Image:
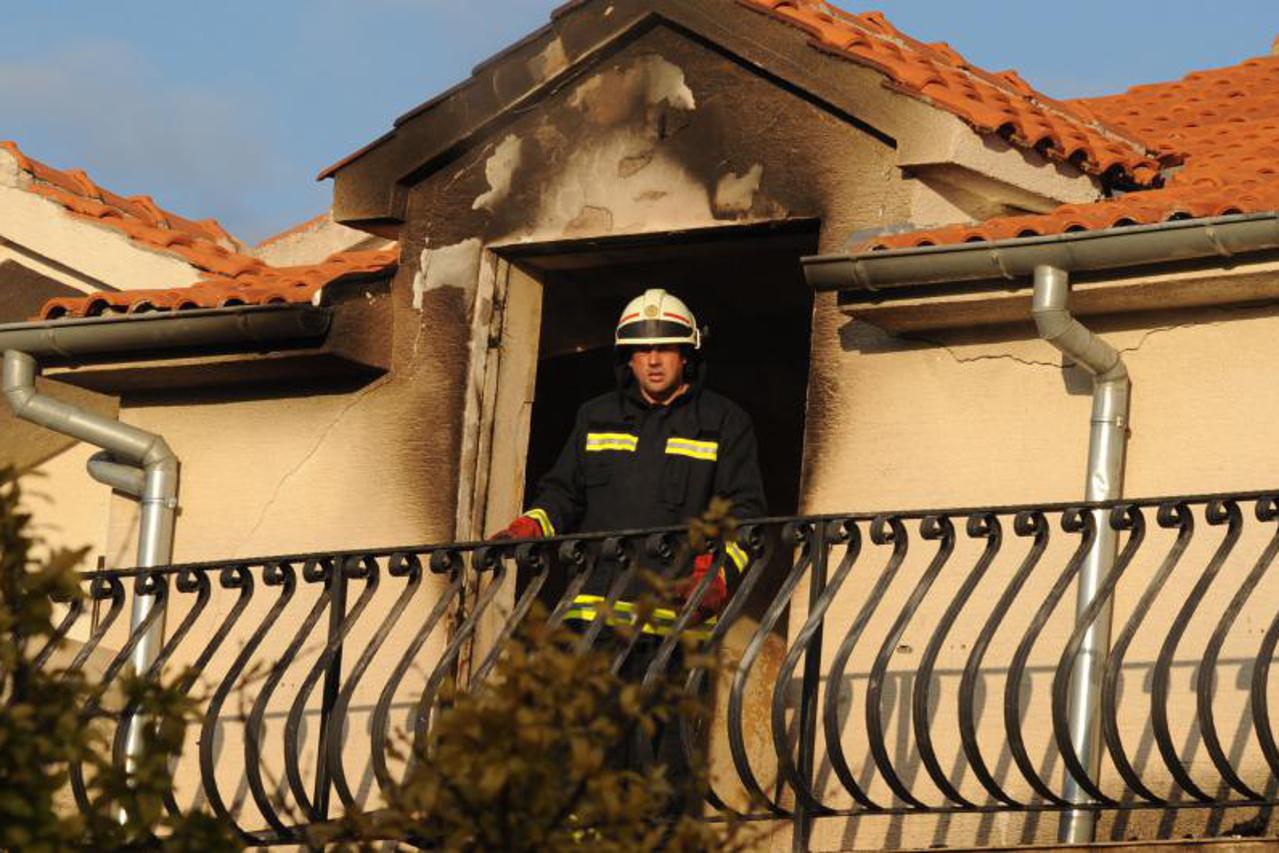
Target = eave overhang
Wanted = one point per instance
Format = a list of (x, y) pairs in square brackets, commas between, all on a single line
[(989, 282)]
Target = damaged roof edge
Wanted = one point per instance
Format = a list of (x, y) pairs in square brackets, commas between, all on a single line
[(887, 274), (141, 337)]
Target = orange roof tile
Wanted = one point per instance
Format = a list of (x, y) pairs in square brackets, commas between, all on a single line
[(204, 244), (1000, 103), (1225, 123), (264, 285)]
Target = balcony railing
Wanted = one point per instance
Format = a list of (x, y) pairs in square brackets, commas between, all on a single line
[(877, 664)]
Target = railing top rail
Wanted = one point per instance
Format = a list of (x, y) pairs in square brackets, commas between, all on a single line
[(868, 516)]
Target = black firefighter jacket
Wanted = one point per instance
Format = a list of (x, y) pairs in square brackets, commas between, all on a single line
[(629, 464)]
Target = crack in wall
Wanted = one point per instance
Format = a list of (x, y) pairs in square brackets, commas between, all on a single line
[(1057, 365), (310, 454)]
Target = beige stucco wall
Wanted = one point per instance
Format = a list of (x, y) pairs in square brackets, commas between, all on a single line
[(313, 241)]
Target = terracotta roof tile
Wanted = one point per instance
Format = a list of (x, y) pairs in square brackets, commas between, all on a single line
[(1224, 124), (1001, 103), (204, 244), (261, 285)]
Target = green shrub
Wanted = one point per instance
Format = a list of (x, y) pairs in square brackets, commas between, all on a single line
[(47, 726)]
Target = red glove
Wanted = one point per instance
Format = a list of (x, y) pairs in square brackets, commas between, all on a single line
[(716, 594), (521, 528)]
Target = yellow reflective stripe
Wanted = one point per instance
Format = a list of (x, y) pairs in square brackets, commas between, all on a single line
[(707, 450), (584, 609), (597, 441), (737, 555), (543, 520)]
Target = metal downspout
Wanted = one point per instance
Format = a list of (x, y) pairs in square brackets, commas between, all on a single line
[(133, 461), (1106, 448)]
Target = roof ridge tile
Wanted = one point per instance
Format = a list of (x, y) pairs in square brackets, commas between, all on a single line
[(204, 244), (257, 285), (990, 103)]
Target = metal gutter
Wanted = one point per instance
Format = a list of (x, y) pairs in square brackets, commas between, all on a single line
[(893, 272), (143, 336)]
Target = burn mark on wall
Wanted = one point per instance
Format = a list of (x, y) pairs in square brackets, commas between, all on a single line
[(613, 97), (735, 194)]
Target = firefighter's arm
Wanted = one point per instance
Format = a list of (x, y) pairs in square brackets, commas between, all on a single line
[(560, 500)]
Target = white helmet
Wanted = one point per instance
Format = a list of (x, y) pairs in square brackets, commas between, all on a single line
[(657, 317)]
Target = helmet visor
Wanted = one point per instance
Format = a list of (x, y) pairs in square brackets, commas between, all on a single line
[(650, 329)]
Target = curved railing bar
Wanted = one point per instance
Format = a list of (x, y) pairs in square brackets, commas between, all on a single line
[(1122, 518), (759, 548), (573, 559), (442, 562), (889, 531), (100, 589), (1168, 516), (1267, 510), (1026, 523), (1260, 703), (318, 570), (75, 608), (979, 526), (837, 533), (941, 530), (1204, 683), (616, 550), (1072, 521), (793, 535), (1214, 513), (530, 557), (187, 583), (683, 619), (367, 570), (193, 673), (399, 566), (150, 586), (672, 561), (484, 559), (232, 577)]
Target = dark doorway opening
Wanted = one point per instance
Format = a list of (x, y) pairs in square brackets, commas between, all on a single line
[(745, 283)]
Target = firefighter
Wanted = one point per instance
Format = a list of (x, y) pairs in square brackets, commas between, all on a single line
[(652, 453)]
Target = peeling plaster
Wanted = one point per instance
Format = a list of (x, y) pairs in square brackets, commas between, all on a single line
[(735, 194), (610, 98), (664, 191), (549, 62), (500, 170), (457, 266)]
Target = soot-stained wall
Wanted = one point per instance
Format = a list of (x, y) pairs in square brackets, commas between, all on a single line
[(666, 134)]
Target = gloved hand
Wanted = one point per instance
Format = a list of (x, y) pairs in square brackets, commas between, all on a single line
[(521, 528), (716, 594)]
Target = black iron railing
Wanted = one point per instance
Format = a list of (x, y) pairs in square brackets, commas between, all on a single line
[(878, 664)]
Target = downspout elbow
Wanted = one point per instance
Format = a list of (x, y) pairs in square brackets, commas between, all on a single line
[(19, 381), (1056, 325)]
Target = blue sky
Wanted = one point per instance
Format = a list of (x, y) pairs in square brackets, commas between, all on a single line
[(230, 109)]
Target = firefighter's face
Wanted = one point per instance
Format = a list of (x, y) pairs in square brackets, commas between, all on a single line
[(659, 370)]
